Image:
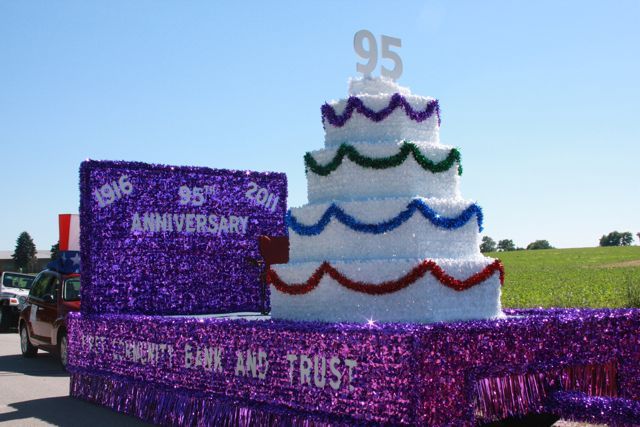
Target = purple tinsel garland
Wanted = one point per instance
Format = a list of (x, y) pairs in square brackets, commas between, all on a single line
[(164, 406), (397, 101), (509, 395), (401, 374)]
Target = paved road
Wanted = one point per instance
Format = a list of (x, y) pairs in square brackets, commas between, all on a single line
[(35, 392)]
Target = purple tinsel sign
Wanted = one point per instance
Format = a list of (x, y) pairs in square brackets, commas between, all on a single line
[(175, 240)]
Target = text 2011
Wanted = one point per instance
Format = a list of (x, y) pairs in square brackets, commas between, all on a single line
[(262, 196)]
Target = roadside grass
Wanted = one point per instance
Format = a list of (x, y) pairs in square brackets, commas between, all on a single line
[(583, 277)]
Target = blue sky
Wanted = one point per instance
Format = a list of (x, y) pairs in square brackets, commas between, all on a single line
[(540, 97)]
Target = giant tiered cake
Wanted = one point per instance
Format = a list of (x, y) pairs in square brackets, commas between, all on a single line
[(386, 235)]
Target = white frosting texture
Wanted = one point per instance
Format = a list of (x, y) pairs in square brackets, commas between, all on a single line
[(350, 181), (426, 300), (376, 86), (415, 238), (376, 94), (395, 127)]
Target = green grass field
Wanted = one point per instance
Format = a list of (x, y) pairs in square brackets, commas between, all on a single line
[(585, 277)]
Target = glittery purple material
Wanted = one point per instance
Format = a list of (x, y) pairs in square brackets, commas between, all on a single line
[(512, 394), (397, 101), (163, 406), (601, 410), (400, 374), (171, 261)]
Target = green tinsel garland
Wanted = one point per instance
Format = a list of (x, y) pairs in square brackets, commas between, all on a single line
[(406, 148)]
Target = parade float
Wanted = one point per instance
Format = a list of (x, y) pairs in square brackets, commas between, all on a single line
[(386, 313)]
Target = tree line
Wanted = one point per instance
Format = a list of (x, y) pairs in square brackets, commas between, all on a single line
[(507, 245), (615, 238)]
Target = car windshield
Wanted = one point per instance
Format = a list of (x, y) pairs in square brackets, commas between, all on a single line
[(17, 280), (71, 290)]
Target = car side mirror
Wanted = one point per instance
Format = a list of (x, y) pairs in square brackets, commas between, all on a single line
[(49, 299)]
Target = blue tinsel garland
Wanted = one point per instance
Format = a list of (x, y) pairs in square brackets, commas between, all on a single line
[(383, 227)]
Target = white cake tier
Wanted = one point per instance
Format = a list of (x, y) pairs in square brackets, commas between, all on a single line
[(377, 97), (415, 237), (375, 86), (350, 181), (425, 300)]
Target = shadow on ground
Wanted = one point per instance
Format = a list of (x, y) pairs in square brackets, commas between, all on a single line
[(43, 365), (66, 411)]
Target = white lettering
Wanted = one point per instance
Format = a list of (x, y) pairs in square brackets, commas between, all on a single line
[(179, 220), (188, 356), (160, 222), (292, 358), (350, 364), (190, 226), (240, 369), (135, 223), (262, 196), (305, 369), (207, 358), (253, 187), (223, 225), (201, 223), (156, 222), (148, 221), (217, 359), (319, 381), (264, 363), (233, 224), (244, 220), (335, 384), (252, 364), (213, 224)]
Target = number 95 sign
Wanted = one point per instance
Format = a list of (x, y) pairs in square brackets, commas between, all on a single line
[(371, 54)]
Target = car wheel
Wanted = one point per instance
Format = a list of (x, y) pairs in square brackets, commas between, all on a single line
[(27, 349), (63, 349), (4, 319)]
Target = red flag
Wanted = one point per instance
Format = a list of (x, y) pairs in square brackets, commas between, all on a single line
[(69, 232)]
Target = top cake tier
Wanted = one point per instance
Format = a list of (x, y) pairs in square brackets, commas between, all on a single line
[(380, 111)]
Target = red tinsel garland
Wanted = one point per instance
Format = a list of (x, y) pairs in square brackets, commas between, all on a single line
[(386, 287)]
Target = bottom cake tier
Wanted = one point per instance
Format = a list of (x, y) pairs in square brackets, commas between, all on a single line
[(388, 290)]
